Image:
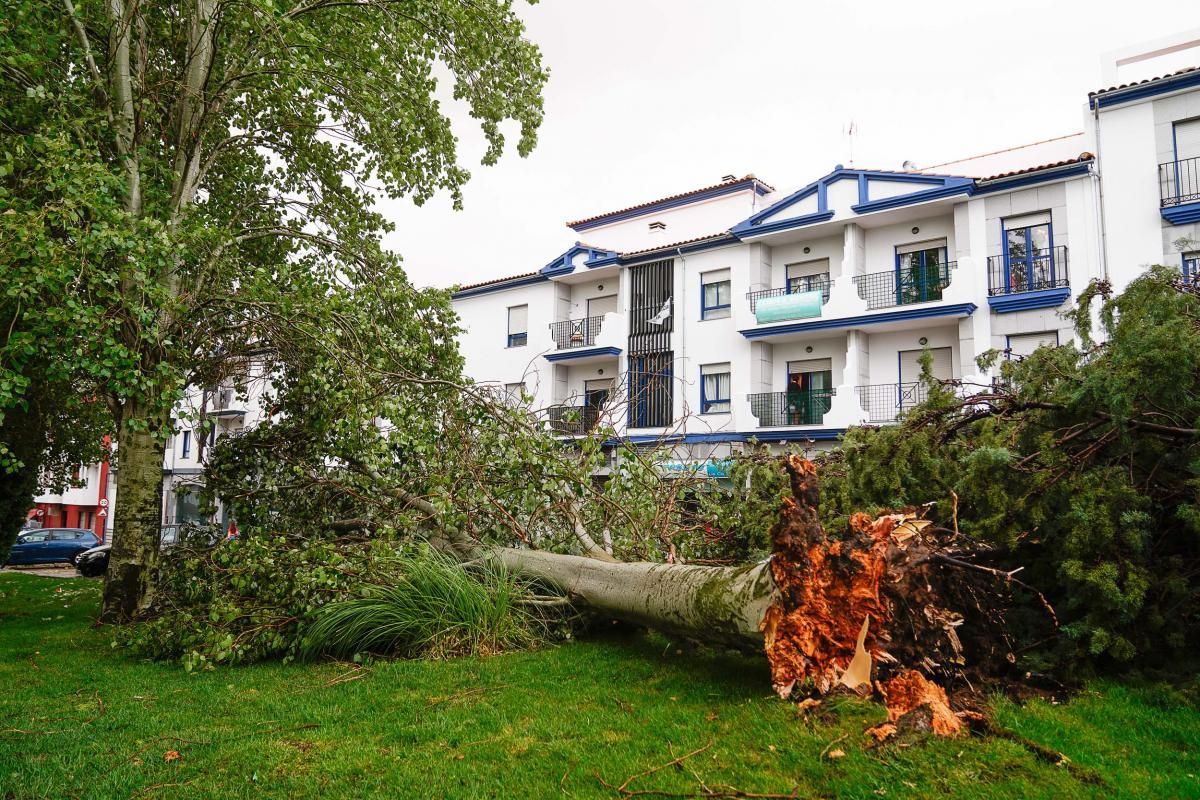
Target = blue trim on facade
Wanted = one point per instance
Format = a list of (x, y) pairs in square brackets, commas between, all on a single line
[(953, 186), (1190, 265), (945, 186), (767, 436), (1183, 214), (781, 225), (586, 352), (663, 205), (1028, 301), (955, 310), (562, 265), (499, 287), (1161, 86), (1007, 184)]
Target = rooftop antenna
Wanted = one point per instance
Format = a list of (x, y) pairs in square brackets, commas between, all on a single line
[(850, 130)]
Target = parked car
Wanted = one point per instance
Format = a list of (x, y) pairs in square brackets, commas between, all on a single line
[(94, 562), (45, 545)]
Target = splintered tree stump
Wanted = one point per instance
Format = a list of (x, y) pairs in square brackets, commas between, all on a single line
[(810, 603)]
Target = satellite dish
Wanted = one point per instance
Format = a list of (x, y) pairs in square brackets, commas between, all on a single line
[(909, 165)]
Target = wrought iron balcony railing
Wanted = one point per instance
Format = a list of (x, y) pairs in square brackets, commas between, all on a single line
[(573, 419), (575, 332), (807, 283), (1044, 270), (904, 286), (884, 402), (1179, 181), (778, 409)]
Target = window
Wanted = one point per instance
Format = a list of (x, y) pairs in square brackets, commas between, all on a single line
[(1191, 266), (1023, 344), (1029, 253), (715, 387), (809, 276), (514, 394), (518, 326), (185, 448), (714, 295)]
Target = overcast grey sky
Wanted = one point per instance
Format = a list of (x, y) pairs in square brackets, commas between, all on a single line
[(652, 97)]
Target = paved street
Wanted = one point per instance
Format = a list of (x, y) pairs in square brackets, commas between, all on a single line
[(46, 570)]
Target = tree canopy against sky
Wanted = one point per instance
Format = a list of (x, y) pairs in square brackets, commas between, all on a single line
[(188, 187)]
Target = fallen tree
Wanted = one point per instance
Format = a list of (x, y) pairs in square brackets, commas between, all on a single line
[(823, 610)]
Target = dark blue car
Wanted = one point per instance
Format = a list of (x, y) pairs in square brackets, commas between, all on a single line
[(43, 545)]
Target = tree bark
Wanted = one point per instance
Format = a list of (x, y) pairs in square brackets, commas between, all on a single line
[(129, 587), (724, 605)]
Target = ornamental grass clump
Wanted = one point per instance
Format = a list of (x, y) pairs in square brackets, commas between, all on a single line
[(433, 609)]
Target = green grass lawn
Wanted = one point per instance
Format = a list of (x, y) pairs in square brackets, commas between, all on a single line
[(79, 719)]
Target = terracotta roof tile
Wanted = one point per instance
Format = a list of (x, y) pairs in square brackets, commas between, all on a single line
[(668, 246), (495, 281), (1081, 158), (669, 198), (1174, 74)]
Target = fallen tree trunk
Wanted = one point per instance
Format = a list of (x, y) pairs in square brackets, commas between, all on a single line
[(722, 605), (883, 593)]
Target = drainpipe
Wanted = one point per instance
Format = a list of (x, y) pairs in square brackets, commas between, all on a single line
[(1098, 185), (681, 304)]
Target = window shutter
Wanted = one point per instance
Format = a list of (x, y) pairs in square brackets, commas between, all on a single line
[(1187, 139), (1024, 344)]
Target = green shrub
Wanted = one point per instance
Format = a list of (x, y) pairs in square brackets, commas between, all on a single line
[(256, 598), (434, 608)]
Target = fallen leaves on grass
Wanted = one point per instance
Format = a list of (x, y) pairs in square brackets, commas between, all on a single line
[(171, 755)]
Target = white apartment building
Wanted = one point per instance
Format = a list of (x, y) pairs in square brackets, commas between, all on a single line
[(735, 311), (205, 416)]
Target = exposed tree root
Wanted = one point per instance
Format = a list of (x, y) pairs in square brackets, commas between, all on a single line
[(889, 607)]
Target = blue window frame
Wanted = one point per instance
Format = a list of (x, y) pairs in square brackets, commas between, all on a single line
[(518, 326), (1191, 266), (1029, 258), (714, 299), (921, 274), (715, 386), (185, 449)]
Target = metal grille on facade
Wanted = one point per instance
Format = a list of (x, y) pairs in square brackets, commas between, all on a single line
[(651, 321)]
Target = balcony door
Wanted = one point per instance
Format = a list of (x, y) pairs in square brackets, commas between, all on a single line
[(599, 306), (1029, 253), (809, 391), (922, 271), (597, 393)]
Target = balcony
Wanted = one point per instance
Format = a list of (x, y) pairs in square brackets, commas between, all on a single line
[(903, 287), (782, 409), (1038, 280), (586, 340), (800, 299), (222, 402), (573, 333), (573, 419), (1179, 190), (884, 402)]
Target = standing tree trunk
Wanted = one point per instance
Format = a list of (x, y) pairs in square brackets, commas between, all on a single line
[(129, 587)]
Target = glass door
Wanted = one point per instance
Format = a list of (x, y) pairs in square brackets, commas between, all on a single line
[(809, 392), (921, 275), (1028, 261)]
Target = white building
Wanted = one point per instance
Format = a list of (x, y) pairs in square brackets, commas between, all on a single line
[(204, 417), (735, 312)]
